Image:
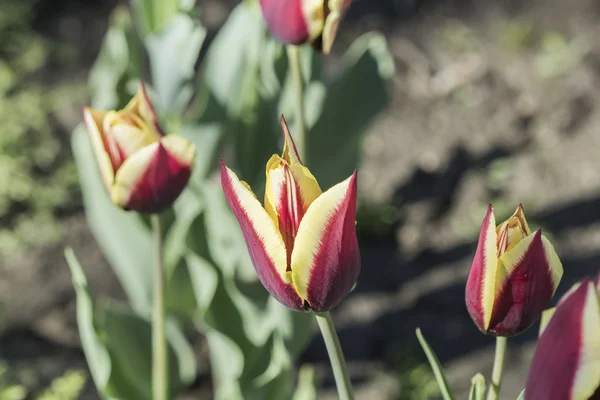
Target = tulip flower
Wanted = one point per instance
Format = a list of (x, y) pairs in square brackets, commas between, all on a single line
[(566, 362), (142, 168), (513, 276), (304, 21), (303, 242)]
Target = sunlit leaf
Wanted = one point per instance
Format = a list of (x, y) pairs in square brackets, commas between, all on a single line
[(436, 367), (173, 52)]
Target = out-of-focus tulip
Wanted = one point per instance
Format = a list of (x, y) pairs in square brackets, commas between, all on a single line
[(566, 363), (142, 169), (304, 21), (513, 276), (303, 242)]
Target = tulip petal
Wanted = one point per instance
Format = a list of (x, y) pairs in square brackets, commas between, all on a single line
[(482, 282), (566, 363), (290, 153), (289, 191), (334, 15), (141, 105), (587, 379), (293, 21), (330, 28), (93, 120), (152, 178), (280, 178), (265, 245), (528, 275), (326, 258), (127, 138)]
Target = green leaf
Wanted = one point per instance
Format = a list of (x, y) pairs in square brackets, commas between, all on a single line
[(226, 61), (96, 354), (478, 387), (153, 15), (118, 346), (436, 367), (206, 138), (129, 341), (223, 235), (334, 139), (187, 208), (173, 53), (204, 280), (522, 395), (122, 236)]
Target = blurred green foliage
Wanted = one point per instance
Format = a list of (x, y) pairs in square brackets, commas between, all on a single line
[(242, 88), (37, 179), (65, 387), (9, 390)]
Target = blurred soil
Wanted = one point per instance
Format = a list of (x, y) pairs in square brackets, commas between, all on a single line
[(494, 101)]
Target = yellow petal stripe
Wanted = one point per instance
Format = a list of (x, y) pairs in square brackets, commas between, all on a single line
[(274, 182), (545, 320), (556, 268), (93, 120), (490, 271)]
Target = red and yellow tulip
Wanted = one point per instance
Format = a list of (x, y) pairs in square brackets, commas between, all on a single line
[(566, 363), (513, 276), (304, 21), (142, 168), (302, 243)]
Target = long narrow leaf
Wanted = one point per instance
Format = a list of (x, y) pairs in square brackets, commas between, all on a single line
[(436, 367)]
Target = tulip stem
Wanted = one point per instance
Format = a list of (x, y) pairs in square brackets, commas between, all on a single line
[(494, 391), (336, 356), (296, 70), (160, 367)]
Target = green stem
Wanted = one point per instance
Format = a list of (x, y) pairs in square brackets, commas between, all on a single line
[(296, 69), (336, 356), (160, 368), (498, 368)]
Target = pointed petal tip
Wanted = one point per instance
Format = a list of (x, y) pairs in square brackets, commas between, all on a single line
[(225, 170), (290, 152)]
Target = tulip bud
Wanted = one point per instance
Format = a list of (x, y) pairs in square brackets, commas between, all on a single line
[(513, 276), (303, 242), (566, 362), (142, 169), (304, 21)]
